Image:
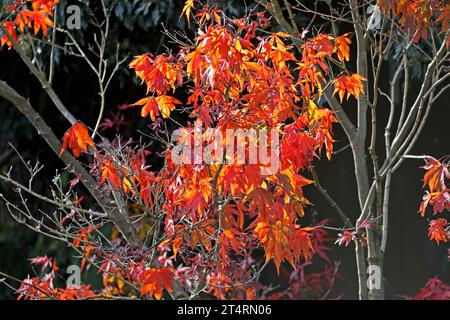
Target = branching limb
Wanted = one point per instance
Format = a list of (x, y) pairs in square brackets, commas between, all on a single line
[(73, 165)]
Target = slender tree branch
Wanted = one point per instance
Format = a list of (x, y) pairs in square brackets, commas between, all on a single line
[(330, 200), (43, 130)]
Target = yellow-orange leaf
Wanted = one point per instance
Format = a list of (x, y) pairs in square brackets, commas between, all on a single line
[(342, 48), (166, 104), (153, 106), (188, 6)]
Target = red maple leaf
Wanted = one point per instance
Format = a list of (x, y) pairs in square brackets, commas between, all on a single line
[(109, 171)]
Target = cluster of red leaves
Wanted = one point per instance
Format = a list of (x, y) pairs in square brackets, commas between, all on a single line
[(132, 176), (153, 280), (313, 67), (434, 289), (117, 277), (284, 240), (74, 292), (306, 284), (42, 288), (352, 84), (44, 262), (347, 236), (437, 196), (226, 67), (113, 279), (160, 74), (240, 80), (35, 18), (417, 16), (438, 230), (235, 79), (312, 285)]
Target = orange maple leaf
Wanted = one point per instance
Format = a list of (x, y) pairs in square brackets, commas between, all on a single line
[(275, 239), (77, 139), (127, 186), (149, 107), (166, 104), (352, 84), (140, 64), (9, 26), (36, 19), (109, 171), (160, 74), (434, 176), (342, 48), (437, 230)]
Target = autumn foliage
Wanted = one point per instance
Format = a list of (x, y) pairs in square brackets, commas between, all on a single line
[(211, 228), (36, 20), (437, 196)]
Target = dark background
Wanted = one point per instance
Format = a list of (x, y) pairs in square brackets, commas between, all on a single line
[(411, 258)]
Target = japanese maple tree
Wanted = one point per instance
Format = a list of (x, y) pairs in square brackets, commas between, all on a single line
[(193, 228)]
